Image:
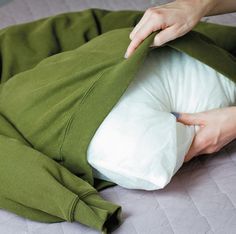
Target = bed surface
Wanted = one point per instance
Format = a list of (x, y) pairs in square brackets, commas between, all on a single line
[(201, 198)]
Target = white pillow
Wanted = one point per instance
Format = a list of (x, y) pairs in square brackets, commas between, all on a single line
[(140, 145)]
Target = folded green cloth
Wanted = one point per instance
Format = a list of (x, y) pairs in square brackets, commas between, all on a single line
[(60, 77)]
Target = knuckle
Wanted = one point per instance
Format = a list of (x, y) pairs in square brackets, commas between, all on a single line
[(154, 13), (150, 10), (164, 25), (156, 17), (153, 16), (178, 31)]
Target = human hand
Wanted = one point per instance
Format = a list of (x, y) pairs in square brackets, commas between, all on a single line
[(175, 19), (217, 129)]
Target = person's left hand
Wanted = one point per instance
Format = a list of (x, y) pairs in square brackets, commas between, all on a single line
[(217, 129)]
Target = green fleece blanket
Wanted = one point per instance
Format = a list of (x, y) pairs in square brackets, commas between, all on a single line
[(60, 77)]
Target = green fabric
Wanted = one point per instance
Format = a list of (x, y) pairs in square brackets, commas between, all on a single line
[(60, 77)]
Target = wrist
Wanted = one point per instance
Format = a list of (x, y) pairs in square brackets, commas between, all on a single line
[(230, 122), (233, 109), (201, 8)]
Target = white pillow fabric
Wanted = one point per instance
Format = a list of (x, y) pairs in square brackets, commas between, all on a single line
[(140, 145)]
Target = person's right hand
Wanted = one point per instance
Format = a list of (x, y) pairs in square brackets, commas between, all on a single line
[(175, 19), (217, 128)]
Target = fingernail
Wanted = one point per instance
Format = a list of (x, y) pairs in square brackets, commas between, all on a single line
[(176, 114), (126, 55)]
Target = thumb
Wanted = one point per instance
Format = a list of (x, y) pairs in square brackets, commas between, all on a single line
[(189, 119)]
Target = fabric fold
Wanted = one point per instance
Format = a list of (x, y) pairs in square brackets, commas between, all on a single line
[(60, 77), (36, 187), (97, 213)]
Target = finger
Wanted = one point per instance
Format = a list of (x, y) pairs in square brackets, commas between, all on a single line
[(148, 27), (165, 35), (188, 157), (191, 153), (156, 41), (140, 24), (139, 37), (191, 119), (197, 146)]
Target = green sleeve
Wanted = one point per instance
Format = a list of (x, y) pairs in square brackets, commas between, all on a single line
[(38, 188), (39, 99), (52, 35)]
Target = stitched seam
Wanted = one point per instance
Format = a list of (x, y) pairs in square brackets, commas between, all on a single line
[(88, 193), (63, 137), (72, 116), (75, 202), (164, 212), (195, 205), (72, 208)]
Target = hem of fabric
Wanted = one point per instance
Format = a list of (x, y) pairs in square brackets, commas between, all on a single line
[(75, 202), (108, 215), (72, 208)]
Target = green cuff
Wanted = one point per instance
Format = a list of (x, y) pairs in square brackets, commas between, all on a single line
[(95, 212)]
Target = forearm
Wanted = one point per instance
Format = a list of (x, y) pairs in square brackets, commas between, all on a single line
[(217, 7), (231, 118), (211, 7)]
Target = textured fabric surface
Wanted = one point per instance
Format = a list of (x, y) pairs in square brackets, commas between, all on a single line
[(183, 206)]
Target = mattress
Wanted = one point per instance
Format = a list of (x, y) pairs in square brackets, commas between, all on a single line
[(201, 198)]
